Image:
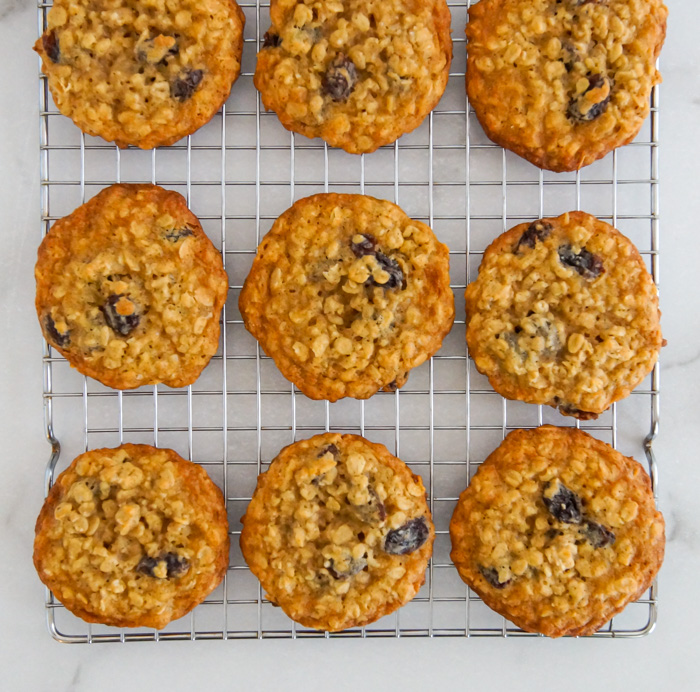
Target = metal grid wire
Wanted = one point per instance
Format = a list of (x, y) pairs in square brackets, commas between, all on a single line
[(238, 174)]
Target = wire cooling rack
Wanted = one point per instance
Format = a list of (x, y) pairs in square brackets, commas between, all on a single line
[(238, 174)]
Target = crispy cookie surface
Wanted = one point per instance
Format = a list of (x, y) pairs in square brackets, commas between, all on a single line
[(130, 289), (142, 72), (347, 294), (562, 82), (564, 313), (132, 537), (338, 532), (357, 73), (557, 531)]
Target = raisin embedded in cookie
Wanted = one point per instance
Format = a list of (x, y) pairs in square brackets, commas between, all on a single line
[(338, 532), (557, 531), (357, 73), (562, 82), (130, 289), (132, 537), (564, 313), (141, 72), (347, 294)]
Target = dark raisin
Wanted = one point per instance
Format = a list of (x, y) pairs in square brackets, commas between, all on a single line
[(175, 234), (271, 40), (407, 538), (148, 45), (564, 505), (393, 268), (175, 565), (147, 565), (366, 246), (570, 55), (536, 231), (55, 337), (376, 503), (374, 511), (548, 332), (512, 339), (391, 387), (122, 324), (330, 449), (340, 78), (575, 111), (491, 576), (185, 84), (51, 46), (571, 410), (544, 328), (588, 265), (354, 567), (598, 536)]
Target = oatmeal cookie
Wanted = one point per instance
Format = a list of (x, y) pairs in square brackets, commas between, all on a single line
[(347, 294), (132, 537), (142, 72), (564, 313), (557, 531), (130, 289), (338, 532), (562, 82), (357, 73)]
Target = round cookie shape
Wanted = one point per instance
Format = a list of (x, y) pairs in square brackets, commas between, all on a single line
[(141, 72), (357, 73), (347, 294), (338, 532), (132, 537), (563, 82), (130, 289), (557, 531), (564, 313)]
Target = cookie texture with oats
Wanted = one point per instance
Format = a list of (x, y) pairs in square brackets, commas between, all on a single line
[(563, 82), (564, 313), (338, 532), (558, 531), (347, 294), (357, 73), (129, 289), (132, 537), (141, 72)]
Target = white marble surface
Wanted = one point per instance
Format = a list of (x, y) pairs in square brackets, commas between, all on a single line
[(667, 659)]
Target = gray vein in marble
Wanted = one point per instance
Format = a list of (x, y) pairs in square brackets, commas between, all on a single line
[(7, 7), (680, 529), (686, 361), (73, 684)]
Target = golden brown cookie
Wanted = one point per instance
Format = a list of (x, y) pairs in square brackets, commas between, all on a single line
[(132, 537), (557, 531), (564, 313), (338, 532), (563, 82), (357, 73), (130, 289), (348, 294), (142, 72)]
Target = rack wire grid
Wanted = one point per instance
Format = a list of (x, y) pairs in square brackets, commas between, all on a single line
[(238, 174)]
